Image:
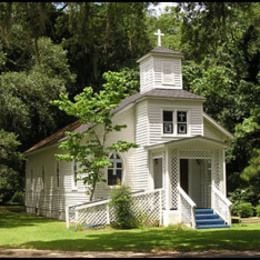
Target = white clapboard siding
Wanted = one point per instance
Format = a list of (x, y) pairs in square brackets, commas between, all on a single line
[(49, 200), (146, 74), (160, 72), (155, 108), (141, 174), (212, 132)]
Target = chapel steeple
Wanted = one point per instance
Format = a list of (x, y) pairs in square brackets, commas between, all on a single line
[(160, 68)]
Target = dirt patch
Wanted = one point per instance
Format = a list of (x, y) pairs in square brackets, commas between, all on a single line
[(16, 253)]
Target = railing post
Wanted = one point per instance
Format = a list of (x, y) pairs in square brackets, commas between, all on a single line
[(67, 216), (192, 218), (108, 217), (160, 207), (76, 217)]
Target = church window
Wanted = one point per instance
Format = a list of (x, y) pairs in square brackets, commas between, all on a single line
[(168, 122), (114, 171)]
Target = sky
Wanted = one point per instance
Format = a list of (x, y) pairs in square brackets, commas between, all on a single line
[(160, 7)]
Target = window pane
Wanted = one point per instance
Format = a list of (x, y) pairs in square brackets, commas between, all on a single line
[(118, 176), (114, 172), (182, 116), (111, 178), (167, 116), (182, 128), (119, 165), (167, 128)]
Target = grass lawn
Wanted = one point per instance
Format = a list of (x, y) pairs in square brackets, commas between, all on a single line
[(19, 230)]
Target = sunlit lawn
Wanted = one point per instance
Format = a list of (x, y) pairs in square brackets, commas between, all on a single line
[(19, 230)]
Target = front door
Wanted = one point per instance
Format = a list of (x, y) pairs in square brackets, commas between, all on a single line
[(157, 173), (184, 175)]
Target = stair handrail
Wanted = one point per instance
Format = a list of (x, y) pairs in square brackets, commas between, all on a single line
[(226, 202), (191, 203)]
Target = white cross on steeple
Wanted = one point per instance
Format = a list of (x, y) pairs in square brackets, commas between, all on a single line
[(159, 34)]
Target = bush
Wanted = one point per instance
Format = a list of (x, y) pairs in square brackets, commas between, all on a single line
[(243, 209), (121, 201), (18, 198), (257, 209)]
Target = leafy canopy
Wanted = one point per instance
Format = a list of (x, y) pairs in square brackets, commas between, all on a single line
[(95, 110)]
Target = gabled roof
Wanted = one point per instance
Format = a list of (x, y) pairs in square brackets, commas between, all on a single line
[(218, 126), (161, 51), (154, 93), (54, 137), (160, 93), (185, 140)]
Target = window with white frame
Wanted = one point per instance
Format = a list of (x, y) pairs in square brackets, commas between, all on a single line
[(175, 122), (182, 122), (168, 122), (43, 177), (75, 174), (57, 174), (31, 180), (115, 170)]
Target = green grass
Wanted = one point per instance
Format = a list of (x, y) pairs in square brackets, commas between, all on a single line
[(19, 230)]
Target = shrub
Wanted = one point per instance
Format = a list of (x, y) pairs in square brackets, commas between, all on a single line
[(18, 198), (243, 209), (257, 209), (121, 201)]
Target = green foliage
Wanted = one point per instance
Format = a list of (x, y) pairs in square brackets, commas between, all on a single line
[(221, 48), (18, 198), (102, 36), (121, 202), (257, 209), (170, 24), (10, 160), (95, 110), (243, 209)]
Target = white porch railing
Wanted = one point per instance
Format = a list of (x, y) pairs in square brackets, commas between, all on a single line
[(221, 204), (187, 208), (147, 207)]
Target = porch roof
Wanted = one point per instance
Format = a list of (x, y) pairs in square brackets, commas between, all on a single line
[(187, 140)]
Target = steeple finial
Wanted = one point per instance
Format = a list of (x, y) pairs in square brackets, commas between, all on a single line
[(159, 35)]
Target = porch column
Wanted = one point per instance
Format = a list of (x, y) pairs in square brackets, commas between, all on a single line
[(167, 179), (224, 174)]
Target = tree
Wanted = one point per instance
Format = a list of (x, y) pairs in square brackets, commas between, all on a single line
[(95, 110), (102, 36), (10, 179), (220, 42), (25, 96)]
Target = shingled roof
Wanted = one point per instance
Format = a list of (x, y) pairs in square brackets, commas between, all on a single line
[(158, 93), (54, 137)]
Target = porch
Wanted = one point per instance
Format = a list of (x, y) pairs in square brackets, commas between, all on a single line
[(192, 173)]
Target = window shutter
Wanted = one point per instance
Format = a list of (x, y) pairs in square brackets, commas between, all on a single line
[(168, 75)]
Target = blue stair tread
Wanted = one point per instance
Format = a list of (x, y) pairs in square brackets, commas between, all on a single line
[(204, 211), (206, 216), (213, 226), (210, 222)]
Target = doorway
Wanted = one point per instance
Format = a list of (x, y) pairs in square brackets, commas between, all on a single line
[(184, 175), (195, 180)]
